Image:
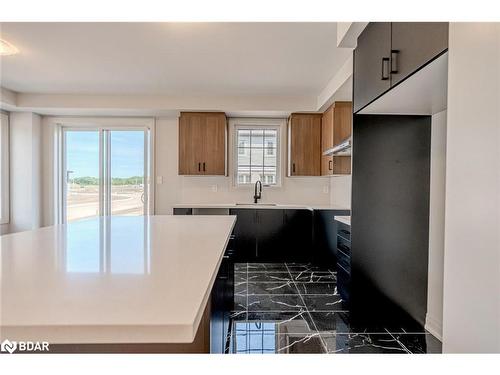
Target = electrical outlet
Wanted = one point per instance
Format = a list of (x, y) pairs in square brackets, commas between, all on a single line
[(214, 188), (326, 189), (159, 180)]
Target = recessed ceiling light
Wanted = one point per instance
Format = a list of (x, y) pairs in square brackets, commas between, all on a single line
[(7, 49)]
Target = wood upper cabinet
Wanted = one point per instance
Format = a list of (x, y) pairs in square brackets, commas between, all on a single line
[(335, 127), (304, 131), (202, 143), (327, 141)]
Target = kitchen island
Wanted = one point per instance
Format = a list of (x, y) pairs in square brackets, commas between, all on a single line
[(113, 284)]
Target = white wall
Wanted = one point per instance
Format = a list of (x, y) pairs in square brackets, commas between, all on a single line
[(471, 300), (340, 189), (25, 171), (184, 189), (434, 318)]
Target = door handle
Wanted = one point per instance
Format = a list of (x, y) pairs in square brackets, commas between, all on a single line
[(204, 167), (199, 167), (385, 68), (394, 60), (330, 165), (293, 167)]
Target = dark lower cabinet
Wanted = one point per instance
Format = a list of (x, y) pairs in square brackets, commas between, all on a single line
[(222, 302), (273, 235), (245, 232), (183, 211), (325, 236), (270, 236), (344, 261), (297, 233)]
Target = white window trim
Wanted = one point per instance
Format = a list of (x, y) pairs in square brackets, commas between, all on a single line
[(265, 123), (4, 160), (83, 123)]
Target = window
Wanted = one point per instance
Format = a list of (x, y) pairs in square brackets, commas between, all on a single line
[(105, 172), (257, 154), (4, 168)]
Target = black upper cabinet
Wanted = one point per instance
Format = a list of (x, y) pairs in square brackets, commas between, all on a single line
[(414, 44), (372, 63), (387, 53)]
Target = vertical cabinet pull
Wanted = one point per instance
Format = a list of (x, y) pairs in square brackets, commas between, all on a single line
[(394, 60), (293, 167), (330, 165), (204, 170), (385, 68), (199, 167)]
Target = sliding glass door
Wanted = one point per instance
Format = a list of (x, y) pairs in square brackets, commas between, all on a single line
[(127, 162), (105, 172), (82, 174)]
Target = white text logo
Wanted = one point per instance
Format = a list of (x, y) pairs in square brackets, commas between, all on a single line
[(24, 346)]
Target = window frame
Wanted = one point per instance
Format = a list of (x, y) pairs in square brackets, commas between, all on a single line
[(62, 124), (258, 124), (5, 170)]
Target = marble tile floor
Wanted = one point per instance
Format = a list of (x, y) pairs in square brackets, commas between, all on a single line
[(295, 308)]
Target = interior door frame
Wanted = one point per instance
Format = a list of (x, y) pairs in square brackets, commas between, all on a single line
[(104, 126)]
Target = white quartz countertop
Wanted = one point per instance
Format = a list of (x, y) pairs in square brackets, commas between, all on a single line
[(262, 206), (344, 219), (111, 280)]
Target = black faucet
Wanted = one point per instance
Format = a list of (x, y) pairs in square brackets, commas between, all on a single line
[(257, 195)]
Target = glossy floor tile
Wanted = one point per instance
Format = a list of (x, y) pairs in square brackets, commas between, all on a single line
[(284, 308)]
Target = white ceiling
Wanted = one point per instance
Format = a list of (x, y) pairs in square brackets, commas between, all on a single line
[(171, 58)]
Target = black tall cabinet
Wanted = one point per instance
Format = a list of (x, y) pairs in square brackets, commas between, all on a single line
[(390, 213)]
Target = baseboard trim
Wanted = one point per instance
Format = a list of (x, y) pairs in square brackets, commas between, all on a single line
[(434, 326)]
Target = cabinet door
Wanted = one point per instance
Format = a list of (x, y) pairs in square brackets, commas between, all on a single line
[(342, 130), (372, 63), (298, 235), (214, 144), (245, 232), (305, 144), (414, 44), (269, 242), (341, 165), (326, 165), (327, 128), (191, 132), (327, 141)]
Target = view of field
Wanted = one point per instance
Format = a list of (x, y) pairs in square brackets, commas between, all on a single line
[(83, 198), (125, 161)]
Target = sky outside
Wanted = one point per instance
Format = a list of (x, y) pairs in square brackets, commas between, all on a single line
[(127, 153)]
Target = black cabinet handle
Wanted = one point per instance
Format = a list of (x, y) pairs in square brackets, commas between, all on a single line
[(199, 167), (385, 68), (204, 170), (394, 60), (293, 167), (330, 165)]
